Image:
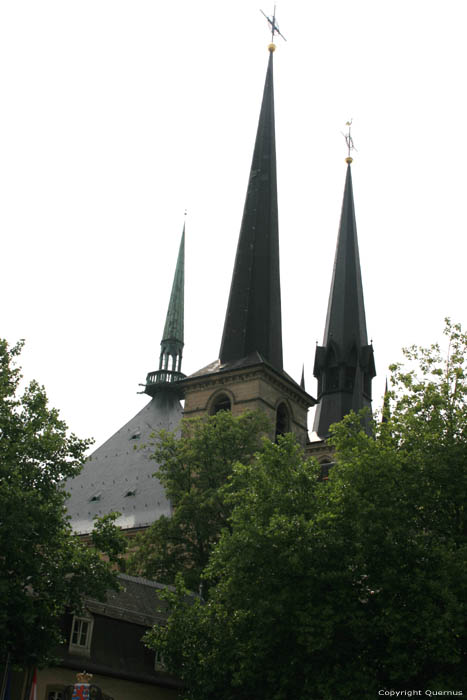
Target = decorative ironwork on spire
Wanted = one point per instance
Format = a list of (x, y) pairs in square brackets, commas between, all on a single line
[(344, 364), (170, 360), (349, 142), (253, 318), (274, 27)]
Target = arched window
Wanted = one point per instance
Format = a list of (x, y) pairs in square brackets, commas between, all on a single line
[(282, 420), (325, 465), (221, 403)]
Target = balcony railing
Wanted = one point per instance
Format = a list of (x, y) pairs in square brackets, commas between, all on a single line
[(163, 376)]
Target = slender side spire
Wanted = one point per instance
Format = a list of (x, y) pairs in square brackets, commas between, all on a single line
[(253, 319), (344, 365), (170, 361), (386, 413)]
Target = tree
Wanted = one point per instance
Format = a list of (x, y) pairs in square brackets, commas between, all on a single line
[(193, 469), (44, 569), (348, 587)]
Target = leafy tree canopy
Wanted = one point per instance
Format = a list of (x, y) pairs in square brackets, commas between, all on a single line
[(43, 567), (193, 469), (342, 588)]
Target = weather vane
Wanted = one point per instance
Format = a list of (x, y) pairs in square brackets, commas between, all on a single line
[(349, 141), (273, 25)]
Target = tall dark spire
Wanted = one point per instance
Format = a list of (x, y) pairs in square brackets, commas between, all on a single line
[(344, 365), (170, 360), (253, 319)]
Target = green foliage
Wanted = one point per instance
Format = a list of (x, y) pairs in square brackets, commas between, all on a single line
[(194, 469), (43, 567), (343, 588)]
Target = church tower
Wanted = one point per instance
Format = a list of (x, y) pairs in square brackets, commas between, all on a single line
[(249, 372), (118, 476), (344, 364)]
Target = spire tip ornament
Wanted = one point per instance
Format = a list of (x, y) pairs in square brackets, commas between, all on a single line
[(349, 142), (274, 29)]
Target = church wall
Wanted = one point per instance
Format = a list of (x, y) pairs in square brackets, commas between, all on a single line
[(255, 390)]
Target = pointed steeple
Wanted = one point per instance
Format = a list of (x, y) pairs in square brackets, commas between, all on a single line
[(253, 318), (344, 365), (170, 360)]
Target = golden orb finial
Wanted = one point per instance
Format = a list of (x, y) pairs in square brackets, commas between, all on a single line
[(349, 160), (271, 48)]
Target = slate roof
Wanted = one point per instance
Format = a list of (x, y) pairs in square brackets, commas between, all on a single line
[(138, 601), (118, 475)]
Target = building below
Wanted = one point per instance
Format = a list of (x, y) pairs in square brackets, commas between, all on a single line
[(104, 639)]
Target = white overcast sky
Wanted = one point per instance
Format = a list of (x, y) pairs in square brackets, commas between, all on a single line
[(116, 115)]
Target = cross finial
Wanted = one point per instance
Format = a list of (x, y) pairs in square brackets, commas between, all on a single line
[(349, 141), (274, 26)]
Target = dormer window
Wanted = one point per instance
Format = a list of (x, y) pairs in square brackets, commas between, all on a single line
[(81, 634)]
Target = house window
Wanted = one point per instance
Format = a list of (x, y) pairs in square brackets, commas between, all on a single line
[(81, 633), (159, 663), (55, 692)]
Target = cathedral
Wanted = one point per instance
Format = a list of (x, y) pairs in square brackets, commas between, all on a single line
[(249, 372)]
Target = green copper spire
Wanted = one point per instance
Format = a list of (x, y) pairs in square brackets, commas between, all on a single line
[(173, 329), (344, 365), (170, 361)]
